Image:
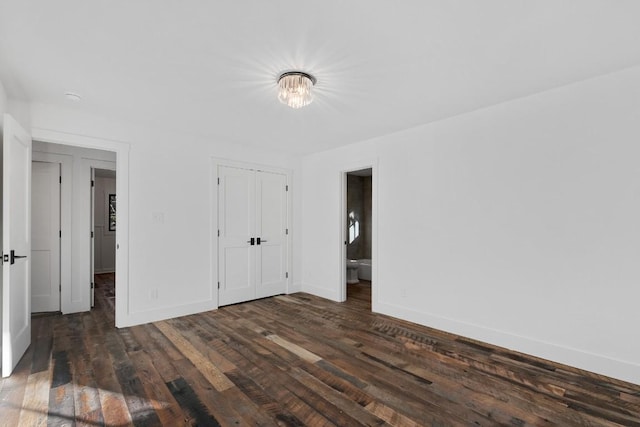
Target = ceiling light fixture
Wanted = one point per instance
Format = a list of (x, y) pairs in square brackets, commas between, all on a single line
[(295, 88)]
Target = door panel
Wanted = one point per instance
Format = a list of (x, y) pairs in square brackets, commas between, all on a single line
[(41, 274), (271, 271), (271, 226), (16, 230), (236, 274), (45, 238), (236, 217), (238, 193)]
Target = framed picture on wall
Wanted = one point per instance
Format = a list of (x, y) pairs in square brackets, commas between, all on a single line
[(112, 212)]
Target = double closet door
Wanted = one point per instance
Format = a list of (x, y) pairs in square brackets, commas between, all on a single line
[(252, 228)]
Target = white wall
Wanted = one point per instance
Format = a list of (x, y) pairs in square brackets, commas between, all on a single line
[(523, 230), (105, 240), (169, 174), (3, 102)]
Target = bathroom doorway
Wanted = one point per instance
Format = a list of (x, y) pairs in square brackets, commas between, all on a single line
[(358, 235), (103, 235)]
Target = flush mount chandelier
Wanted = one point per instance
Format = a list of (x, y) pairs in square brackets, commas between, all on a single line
[(294, 88)]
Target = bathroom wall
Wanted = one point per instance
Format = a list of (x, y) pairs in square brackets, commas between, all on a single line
[(105, 239), (366, 211), (359, 204)]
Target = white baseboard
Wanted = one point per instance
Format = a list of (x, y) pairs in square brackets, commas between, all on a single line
[(330, 294), (163, 313), (294, 287), (620, 369)]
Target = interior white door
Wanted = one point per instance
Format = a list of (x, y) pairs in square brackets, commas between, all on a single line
[(236, 225), (16, 225), (271, 226), (92, 257), (45, 237), (252, 243)]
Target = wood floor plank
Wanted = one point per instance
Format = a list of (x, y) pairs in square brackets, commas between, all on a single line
[(294, 360), (211, 372), (167, 408), (61, 406), (222, 410), (42, 346), (35, 406), (12, 393)]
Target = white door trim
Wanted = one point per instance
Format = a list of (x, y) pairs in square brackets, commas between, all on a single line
[(123, 315), (92, 227), (213, 203), (374, 231)]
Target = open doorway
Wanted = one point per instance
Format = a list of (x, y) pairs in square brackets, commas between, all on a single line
[(103, 236), (358, 229), (74, 230)]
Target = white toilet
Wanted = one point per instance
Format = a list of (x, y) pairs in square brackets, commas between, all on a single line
[(352, 271)]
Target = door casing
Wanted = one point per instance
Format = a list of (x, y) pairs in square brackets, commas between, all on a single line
[(342, 286), (123, 316)]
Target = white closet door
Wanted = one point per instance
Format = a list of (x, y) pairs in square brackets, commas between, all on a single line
[(271, 217), (236, 223), (45, 237)]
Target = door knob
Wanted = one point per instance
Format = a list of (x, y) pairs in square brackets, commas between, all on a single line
[(260, 240), (14, 256), (253, 241)]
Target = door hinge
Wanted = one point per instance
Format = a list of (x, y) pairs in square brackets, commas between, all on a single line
[(287, 231), (218, 181), (93, 183), (92, 234), (286, 275), (92, 285), (218, 285), (60, 287), (218, 233), (60, 233), (60, 180), (286, 187)]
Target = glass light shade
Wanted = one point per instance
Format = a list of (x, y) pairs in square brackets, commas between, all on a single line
[(295, 89)]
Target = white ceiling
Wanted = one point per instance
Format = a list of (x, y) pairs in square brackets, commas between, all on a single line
[(210, 67)]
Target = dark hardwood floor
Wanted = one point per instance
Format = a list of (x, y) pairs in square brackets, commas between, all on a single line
[(291, 360)]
